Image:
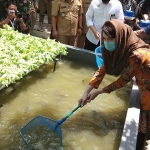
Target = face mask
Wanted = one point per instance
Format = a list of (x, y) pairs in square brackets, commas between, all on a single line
[(110, 46)]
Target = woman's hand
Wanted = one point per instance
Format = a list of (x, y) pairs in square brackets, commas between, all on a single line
[(86, 98), (93, 94), (83, 99)]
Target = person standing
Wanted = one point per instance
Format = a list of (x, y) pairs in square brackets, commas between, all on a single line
[(33, 13), (97, 14), (27, 10), (44, 6), (81, 39), (125, 56), (129, 5), (144, 34), (12, 19), (66, 20), (142, 9)]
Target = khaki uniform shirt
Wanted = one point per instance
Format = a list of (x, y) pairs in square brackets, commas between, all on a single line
[(67, 16), (85, 4)]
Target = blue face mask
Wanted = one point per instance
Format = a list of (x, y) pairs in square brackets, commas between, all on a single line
[(110, 46)]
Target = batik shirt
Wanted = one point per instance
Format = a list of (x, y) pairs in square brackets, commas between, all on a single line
[(138, 65)]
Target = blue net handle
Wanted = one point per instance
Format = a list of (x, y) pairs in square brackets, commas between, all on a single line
[(68, 115)]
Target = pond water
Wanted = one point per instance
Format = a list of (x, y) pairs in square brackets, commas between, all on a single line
[(96, 126)]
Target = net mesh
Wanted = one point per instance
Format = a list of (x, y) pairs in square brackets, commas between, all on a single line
[(42, 131)]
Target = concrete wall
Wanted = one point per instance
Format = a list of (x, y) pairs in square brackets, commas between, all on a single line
[(130, 131), (81, 55)]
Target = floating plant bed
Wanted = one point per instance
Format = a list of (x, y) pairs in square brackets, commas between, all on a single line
[(20, 54)]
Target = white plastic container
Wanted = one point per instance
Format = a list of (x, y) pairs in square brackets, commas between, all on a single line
[(46, 34)]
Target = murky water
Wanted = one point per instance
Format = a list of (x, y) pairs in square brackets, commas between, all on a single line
[(96, 126), (42, 138)]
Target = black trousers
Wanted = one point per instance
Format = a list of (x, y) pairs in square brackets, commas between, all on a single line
[(90, 46), (141, 139)]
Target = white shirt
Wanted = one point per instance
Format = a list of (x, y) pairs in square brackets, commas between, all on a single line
[(98, 13)]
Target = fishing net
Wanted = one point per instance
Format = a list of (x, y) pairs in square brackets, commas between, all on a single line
[(41, 134)]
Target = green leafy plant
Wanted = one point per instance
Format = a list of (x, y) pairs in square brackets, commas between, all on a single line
[(20, 54)]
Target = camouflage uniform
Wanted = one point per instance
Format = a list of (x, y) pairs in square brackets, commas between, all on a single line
[(26, 8)]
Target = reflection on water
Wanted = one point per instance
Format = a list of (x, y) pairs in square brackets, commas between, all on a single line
[(96, 126)]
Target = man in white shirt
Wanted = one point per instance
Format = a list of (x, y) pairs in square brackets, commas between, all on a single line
[(97, 14)]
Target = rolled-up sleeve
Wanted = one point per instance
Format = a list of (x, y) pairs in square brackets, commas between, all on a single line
[(98, 77), (55, 8)]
